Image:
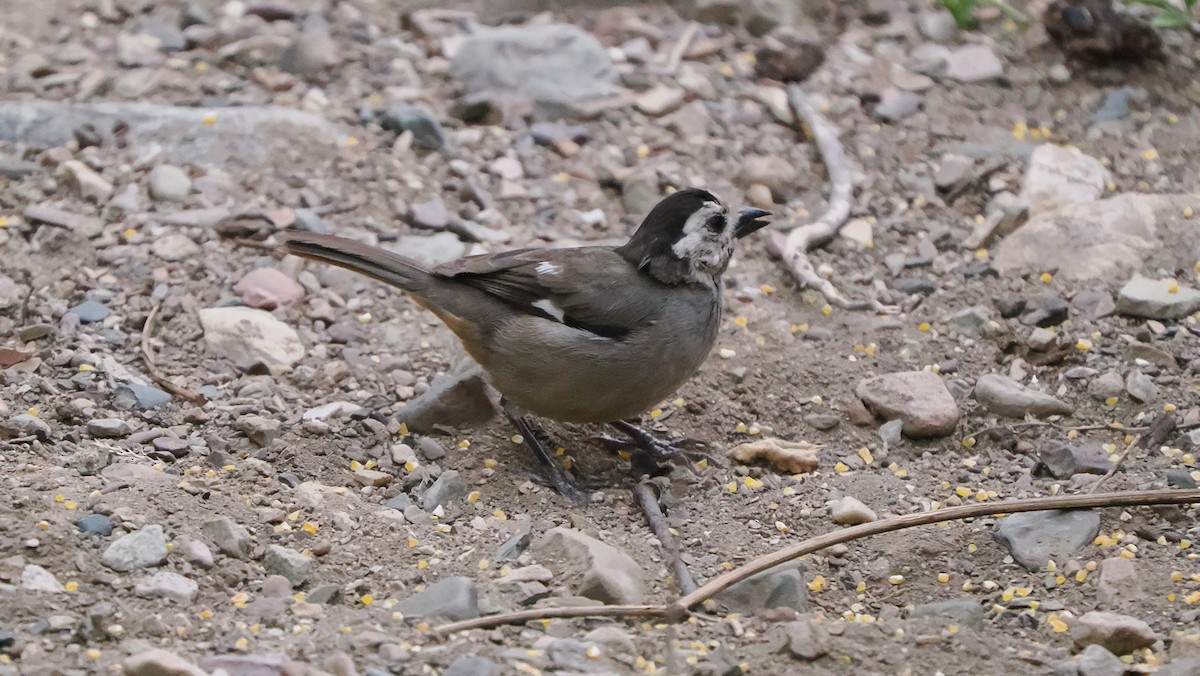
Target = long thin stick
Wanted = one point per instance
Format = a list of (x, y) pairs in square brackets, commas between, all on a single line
[(152, 368), (680, 609), (644, 492)]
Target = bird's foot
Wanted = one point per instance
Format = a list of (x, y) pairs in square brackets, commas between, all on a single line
[(658, 450), (553, 473)]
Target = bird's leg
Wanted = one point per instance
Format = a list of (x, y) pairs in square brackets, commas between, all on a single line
[(555, 475), (657, 449)]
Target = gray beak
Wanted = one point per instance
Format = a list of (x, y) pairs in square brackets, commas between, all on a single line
[(748, 221)]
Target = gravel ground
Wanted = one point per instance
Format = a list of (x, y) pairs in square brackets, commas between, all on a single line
[(213, 459)]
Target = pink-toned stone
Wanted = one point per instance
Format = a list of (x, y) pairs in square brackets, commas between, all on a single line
[(268, 288)]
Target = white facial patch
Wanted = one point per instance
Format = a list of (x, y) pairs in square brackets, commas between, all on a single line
[(546, 305), (705, 248), (547, 268)]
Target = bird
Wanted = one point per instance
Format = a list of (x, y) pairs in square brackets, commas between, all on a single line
[(591, 334)]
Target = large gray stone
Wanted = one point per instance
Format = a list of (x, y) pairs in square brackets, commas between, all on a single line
[(250, 337), (454, 598), (596, 570), (289, 563), (919, 398), (1005, 396), (1033, 538), (1058, 176), (1157, 299), (964, 610), (1119, 634), (456, 399), (140, 549), (778, 587)]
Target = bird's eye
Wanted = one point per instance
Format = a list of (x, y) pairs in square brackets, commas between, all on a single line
[(716, 223)]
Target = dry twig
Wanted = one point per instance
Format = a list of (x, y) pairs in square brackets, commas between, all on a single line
[(1154, 435), (681, 607), (152, 368), (794, 249), (644, 492)]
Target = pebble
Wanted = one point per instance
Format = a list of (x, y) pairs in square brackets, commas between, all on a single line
[(963, 610), (90, 311), (953, 169), (449, 487), (142, 397), (1096, 661), (1004, 396), (779, 587), (1094, 303), (288, 563), (109, 428), (1141, 387), (95, 524), (168, 183), (974, 321), (372, 477), (426, 130), (454, 598), (1062, 461), (135, 50), (759, 195), (159, 662), (453, 399), (937, 25), (140, 549), (1115, 106), (175, 247), (334, 409), (896, 105), (1107, 386), (430, 448), (167, 585), (37, 579), (1033, 538), (1157, 299), (228, 536), (431, 214), (473, 665), (659, 100), (850, 512), (974, 63), (1058, 176), (26, 425), (596, 569), (806, 640), (89, 184), (776, 173), (1180, 478), (1042, 340), (1118, 582), (919, 398), (86, 226), (250, 337), (1119, 634), (268, 288)]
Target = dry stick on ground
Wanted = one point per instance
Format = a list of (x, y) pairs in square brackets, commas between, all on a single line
[(644, 492), (1042, 423), (680, 608), (152, 369), (680, 48), (794, 249), (1154, 435)]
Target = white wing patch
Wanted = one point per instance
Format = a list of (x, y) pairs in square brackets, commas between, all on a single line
[(547, 268), (546, 305)]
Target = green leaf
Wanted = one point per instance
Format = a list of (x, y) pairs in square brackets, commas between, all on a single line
[(1170, 20)]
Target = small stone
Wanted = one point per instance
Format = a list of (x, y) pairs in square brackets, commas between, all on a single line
[(90, 311), (964, 610), (371, 477), (1059, 175), (473, 665), (195, 552), (89, 184), (858, 231), (778, 587), (399, 502), (168, 585), (1042, 340), (759, 195), (268, 288), (1107, 386), (430, 449), (1141, 387), (1119, 634), (1096, 661), (109, 428), (175, 247), (807, 640), (138, 50), (158, 662), (169, 183), (431, 215), (597, 570), (1033, 538), (1180, 478), (919, 398), (822, 421), (140, 549), (1005, 396), (454, 598), (1115, 106), (228, 536), (95, 524), (25, 425), (937, 25), (288, 563), (896, 105), (1157, 299), (37, 579), (508, 168), (1094, 303), (1062, 461), (973, 321), (427, 132), (1118, 582), (974, 63), (850, 512), (772, 171), (456, 399), (250, 337), (142, 397), (659, 101), (450, 486)]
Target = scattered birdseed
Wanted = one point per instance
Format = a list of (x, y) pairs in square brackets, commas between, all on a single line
[(1046, 277), (943, 578), (896, 579)]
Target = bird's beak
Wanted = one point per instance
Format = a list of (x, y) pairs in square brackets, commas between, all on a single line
[(748, 221)]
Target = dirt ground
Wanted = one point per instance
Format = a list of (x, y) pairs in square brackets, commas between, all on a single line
[(786, 363)]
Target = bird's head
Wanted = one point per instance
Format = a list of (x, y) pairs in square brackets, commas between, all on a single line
[(689, 237)]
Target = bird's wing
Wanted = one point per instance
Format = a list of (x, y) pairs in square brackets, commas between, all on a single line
[(592, 289)]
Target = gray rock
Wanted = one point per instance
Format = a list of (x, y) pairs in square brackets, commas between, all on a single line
[(399, 502), (1058, 176), (1119, 634), (228, 536), (261, 431), (774, 172), (473, 665), (167, 585), (95, 524), (1096, 661), (778, 587), (919, 398), (1157, 299), (964, 610), (430, 448), (953, 169), (896, 105), (973, 321), (250, 337), (90, 311), (1187, 666), (1118, 582), (289, 563), (326, 594), (431, 215), (640, 192), (807, 640), (659, 100), (1180, 478), (139, 396), (34, 578), (454, 598), (974, 63), (109, 428), (82, 178), (427, 132), (1042, 340), (596, 570), (1108, 385), (850, 512), (87, 226), (1062, 461), (937, 25), (1033, 538), (158, 662), (457, 399), (1094, 303), (1141, 387), (312, 51), (169, 183), (26, 425), (1005, 396), (1115, 106), (140, 549), (554, 66), (268, 288), (450, 486), (175, 247), (1045, 309), (1103, 240), (137, 50)]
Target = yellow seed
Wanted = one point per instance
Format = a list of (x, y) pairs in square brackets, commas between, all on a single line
[(1150, 155), (242, 643), (740, 321), (817, 584), (1194, 597), (827, 309), (1081, 576), (1083, 344), (1008, 594), (483, 564), (239, 599), (310, 527), (840, 468), (93, 654), (499, 514), (1111, 401), (752, 483), (962, 491), (518, 439), (740, 428), (981, 255), (489, 463), (943, 577), (422, 564), (473, 497), (732, 487), (1051, 566), (781, 527), (643, 151), (972, 547), (1056, 624), (1188, 212), (896, 579), (1184, 544), (981, 495), (71, 586), (210, 118), (656, 413), (205, 614), (702, 463), (1046, 277)]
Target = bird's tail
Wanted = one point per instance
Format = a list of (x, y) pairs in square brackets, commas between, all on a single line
[(381, 264)]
